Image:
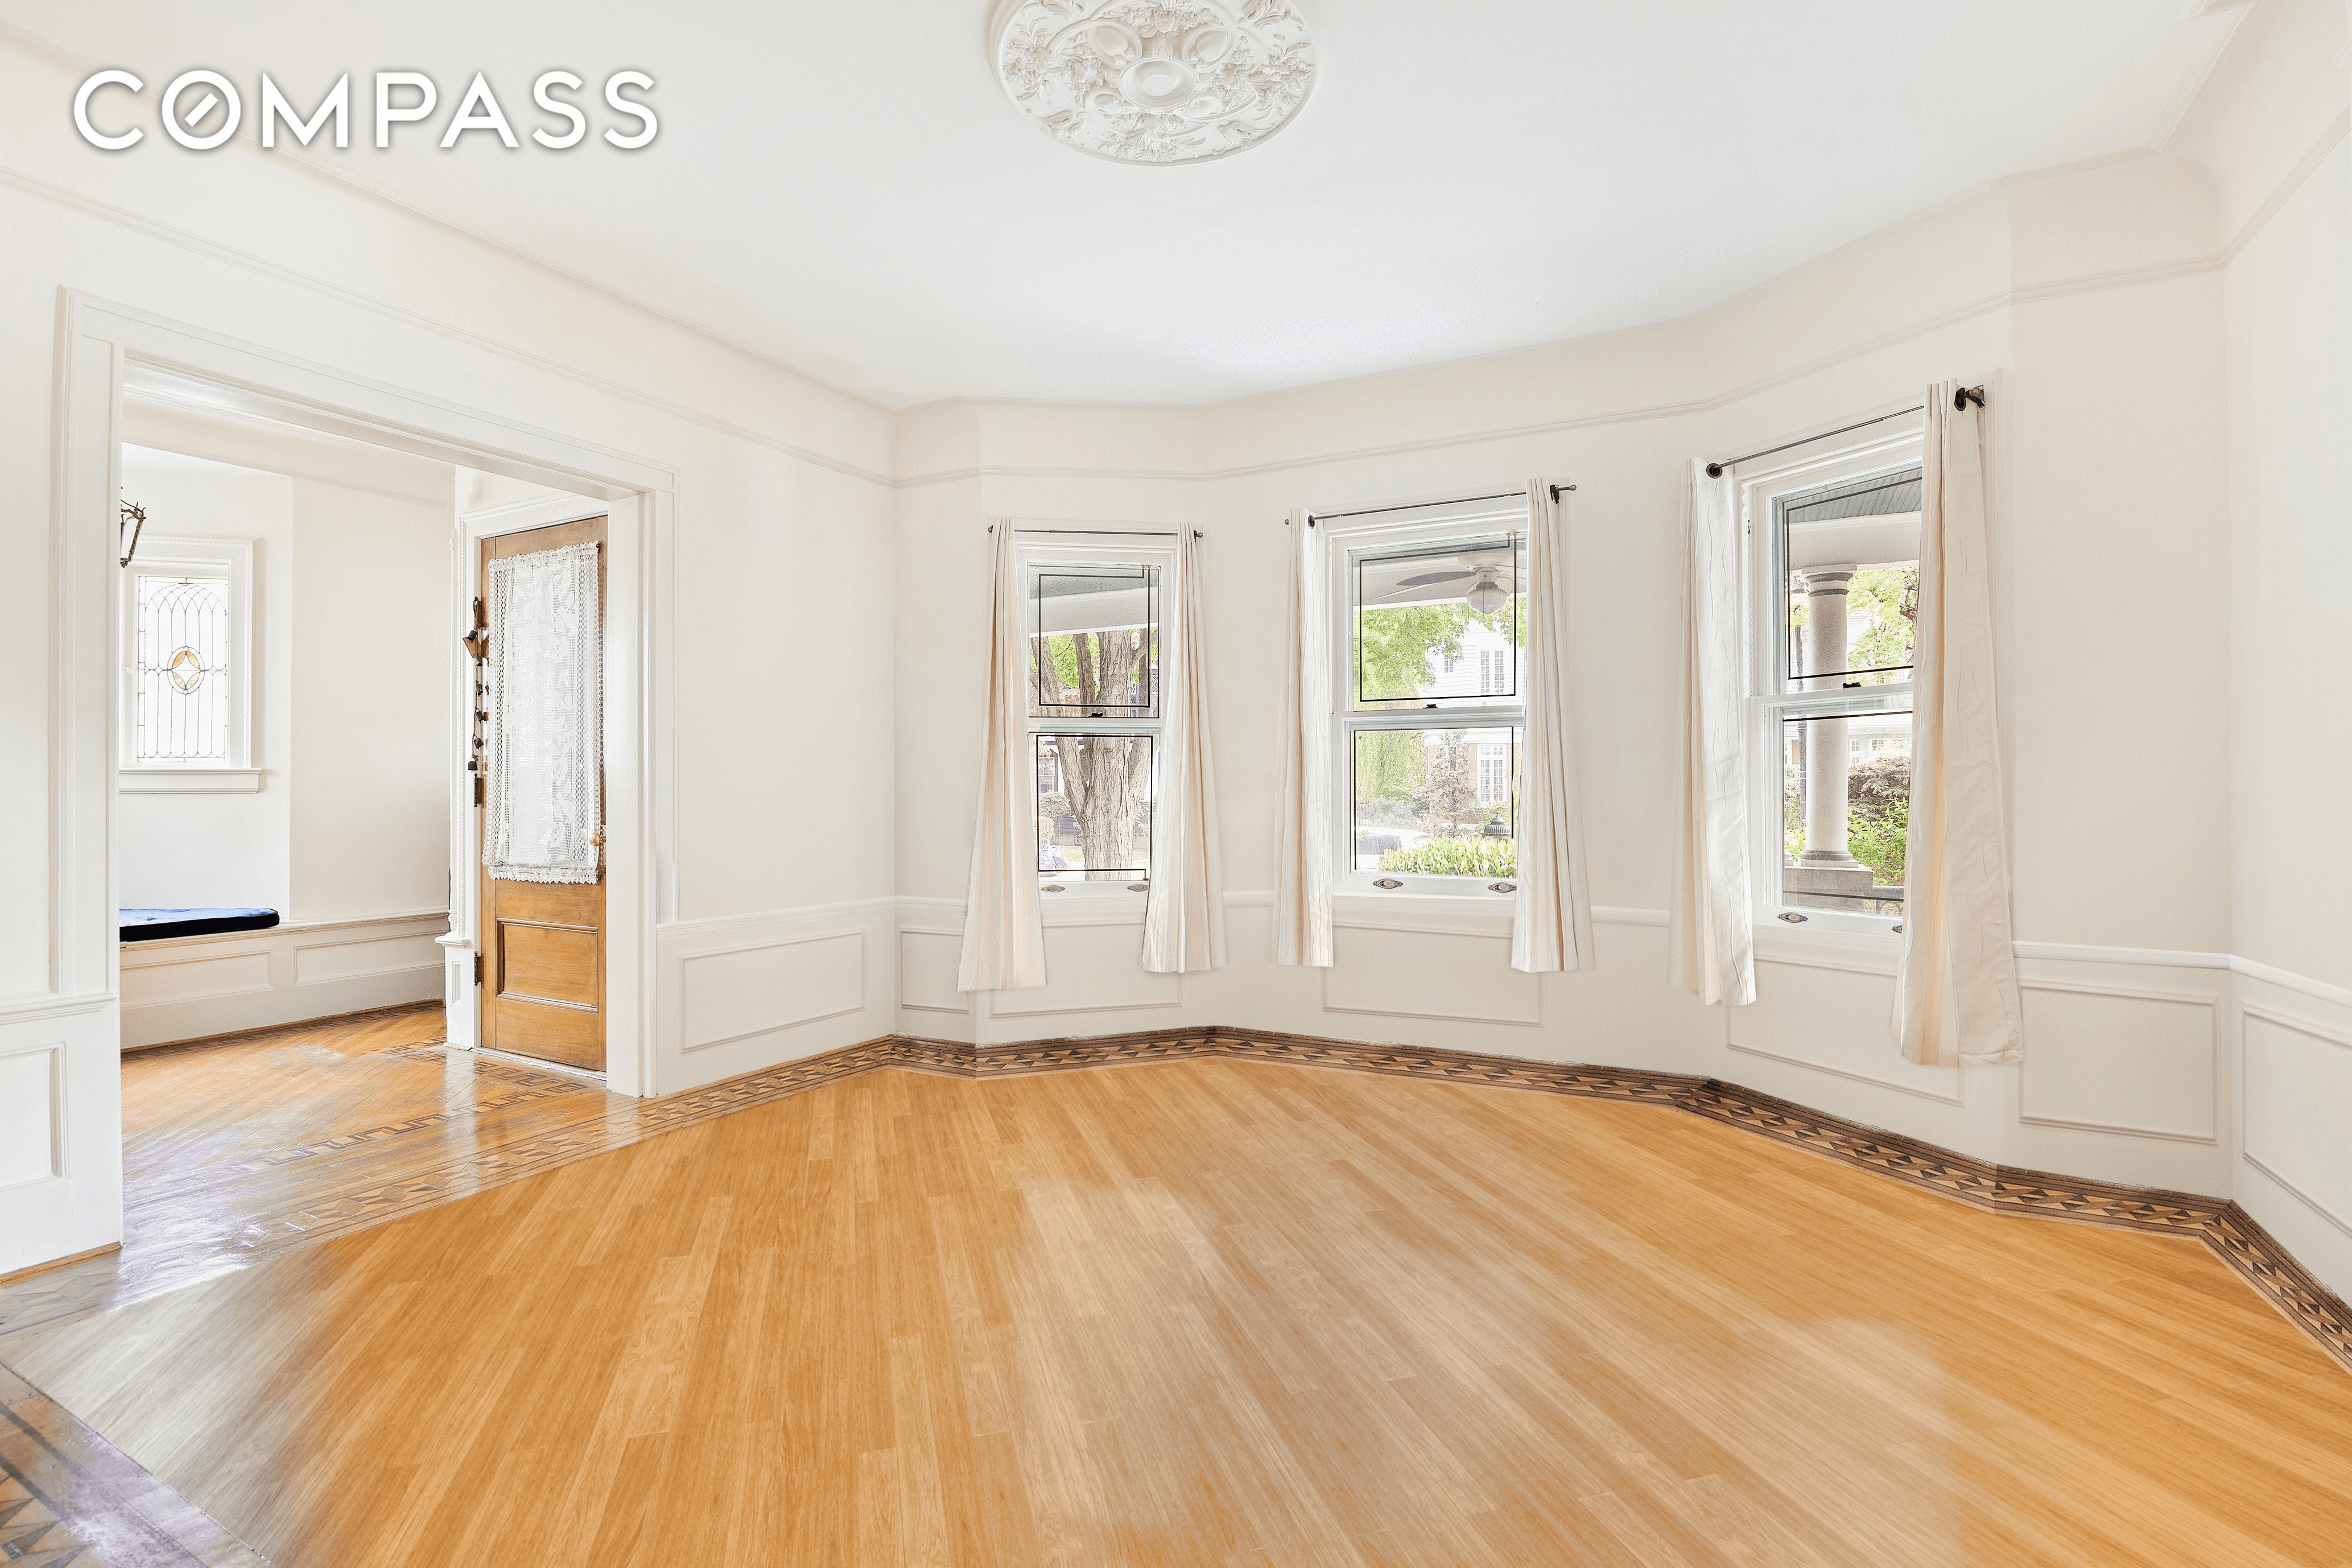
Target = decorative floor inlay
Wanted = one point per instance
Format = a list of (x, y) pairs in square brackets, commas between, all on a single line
[(523, 1121), (68, 1497)]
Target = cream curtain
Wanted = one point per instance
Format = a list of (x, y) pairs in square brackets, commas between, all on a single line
[(1302, 897), (1003, 932), (1711, 933), (1551, 918), (1184, 913), (1957, 998)]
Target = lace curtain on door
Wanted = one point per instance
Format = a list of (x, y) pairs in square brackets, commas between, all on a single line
[(546, 727)]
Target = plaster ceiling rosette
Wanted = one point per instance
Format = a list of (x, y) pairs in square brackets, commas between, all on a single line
[(1155, 81)]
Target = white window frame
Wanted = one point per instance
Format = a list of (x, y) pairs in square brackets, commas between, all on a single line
[(1111, 547), (1769, 698), (229, 560), (1403, 527)]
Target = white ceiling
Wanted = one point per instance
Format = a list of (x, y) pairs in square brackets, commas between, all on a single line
[(843, 186)]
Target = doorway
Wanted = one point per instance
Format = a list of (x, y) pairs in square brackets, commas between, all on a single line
[(538, 792)]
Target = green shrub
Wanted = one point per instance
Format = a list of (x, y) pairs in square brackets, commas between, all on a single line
[(1480, 856)]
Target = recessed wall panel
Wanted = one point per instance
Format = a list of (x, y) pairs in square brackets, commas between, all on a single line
[(1428, 973), (193, 979), (1834, 1018), (28, 1115), (352, 960), (2298, 1081), (2114, 1060), (929, 962), (1092, 969), (748, 991)]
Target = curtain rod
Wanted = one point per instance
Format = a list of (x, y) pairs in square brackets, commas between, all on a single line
[(1111, 533), (1960, 400), (1314, 517)]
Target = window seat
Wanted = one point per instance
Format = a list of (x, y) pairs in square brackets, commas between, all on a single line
[(155, 925)]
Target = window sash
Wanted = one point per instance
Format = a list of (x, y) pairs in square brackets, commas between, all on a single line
[(1777, 695), (1440, 527), (1114, 554)]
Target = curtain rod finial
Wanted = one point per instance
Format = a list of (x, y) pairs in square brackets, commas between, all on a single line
[(1715, 470)]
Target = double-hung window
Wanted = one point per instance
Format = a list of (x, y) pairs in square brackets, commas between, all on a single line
[(1833, 547), (1430, 618), (1092, 620)]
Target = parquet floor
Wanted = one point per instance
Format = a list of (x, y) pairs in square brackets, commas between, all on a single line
[(236, 1149), (1222, 1312)]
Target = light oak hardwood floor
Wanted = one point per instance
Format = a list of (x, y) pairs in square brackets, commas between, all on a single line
[(1219, 1312)]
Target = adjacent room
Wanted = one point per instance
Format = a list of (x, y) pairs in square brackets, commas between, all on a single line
[(1278, 782)]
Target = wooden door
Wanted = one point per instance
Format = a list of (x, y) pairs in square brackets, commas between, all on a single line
[(542, 944)]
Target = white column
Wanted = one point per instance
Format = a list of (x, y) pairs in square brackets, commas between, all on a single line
[(1826, 741)]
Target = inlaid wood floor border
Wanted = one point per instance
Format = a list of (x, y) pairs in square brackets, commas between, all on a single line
[(68, 1497), (2220, 1223)]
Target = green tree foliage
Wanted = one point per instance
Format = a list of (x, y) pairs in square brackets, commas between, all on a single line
[(1397, 641), (1882, 621), (1879, 826)]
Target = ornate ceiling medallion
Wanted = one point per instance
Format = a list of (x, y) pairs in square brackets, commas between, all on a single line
[(1155, 81)]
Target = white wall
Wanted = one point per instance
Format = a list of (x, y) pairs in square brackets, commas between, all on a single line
[(2273, 129), (370, 703), (178, 851)]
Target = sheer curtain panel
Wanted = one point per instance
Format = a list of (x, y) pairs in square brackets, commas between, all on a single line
[(1711, 934), (1551, 918), (1302, 897), (1004, 931), (1184, 913), (1957, 1001)]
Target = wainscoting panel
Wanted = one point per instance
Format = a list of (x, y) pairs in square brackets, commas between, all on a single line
[(2298, 1083), (2122, 1059), (188, 987), (1833, 1015), (30, 1113), (194, 979), (737, 994), (1092, 969), (320, 964), (929, 960), (1428, 972), (760, 988)]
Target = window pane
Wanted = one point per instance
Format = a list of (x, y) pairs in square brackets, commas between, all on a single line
[(1094, 641), (1853, 557), (182, 674), (1094, 807), (1441, 623), (1436, 803), (1846, 811)]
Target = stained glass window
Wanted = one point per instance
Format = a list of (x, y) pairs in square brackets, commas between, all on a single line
[(181, 660)]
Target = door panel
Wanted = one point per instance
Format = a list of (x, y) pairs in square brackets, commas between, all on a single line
[(548, 963), (542, 944)]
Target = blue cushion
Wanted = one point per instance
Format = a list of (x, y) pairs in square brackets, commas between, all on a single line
[(153, 925)]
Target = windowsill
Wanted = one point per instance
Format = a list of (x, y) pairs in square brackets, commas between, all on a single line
[(188, 781)]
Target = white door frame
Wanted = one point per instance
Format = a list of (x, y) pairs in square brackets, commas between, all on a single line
[(76, 1024)]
